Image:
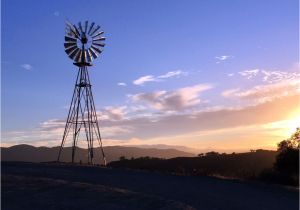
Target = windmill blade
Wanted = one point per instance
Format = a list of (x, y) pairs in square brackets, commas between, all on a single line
[(97, 34), (98, 44), (80, 27), (70, 29), (86, 26), (102, 38), (77, 31), (96, 29), (78, 56), (69, 44), (96, 49), (74, 53), (88, 56), (69, 39), (70, 50), (71, 33), (92, 25), (92, 53)]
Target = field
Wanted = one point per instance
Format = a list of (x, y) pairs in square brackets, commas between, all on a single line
[(53, 186)]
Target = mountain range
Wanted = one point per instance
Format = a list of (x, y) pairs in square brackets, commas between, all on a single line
[(28, 153)]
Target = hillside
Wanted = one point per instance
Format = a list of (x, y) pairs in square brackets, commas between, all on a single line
[(29, 153), (57, 186), (240, 165)]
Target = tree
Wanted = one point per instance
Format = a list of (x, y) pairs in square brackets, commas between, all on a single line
[(122, 158), (287, 160), (212, 153)]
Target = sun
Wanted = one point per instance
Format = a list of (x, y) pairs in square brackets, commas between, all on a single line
[(285, 128)]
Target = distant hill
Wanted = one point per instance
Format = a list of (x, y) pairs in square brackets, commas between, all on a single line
[(235, 165), (30, 153), (165, 146)]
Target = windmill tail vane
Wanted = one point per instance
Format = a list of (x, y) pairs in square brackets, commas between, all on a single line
[(83, 43)]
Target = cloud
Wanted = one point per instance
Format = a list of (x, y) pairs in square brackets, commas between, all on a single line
[(249, 74), (113, 113), (172, 74), (150, 78), (223, 58), (270, 76), (176, 100), (144, 79), (122, 84), (210, 120), (230, 74), (230, 92), (56, 13), (267, 92), (203, 127), (278, 76), (26, 66)]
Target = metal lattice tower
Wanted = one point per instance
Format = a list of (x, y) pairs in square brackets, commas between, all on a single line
[(83, 44)]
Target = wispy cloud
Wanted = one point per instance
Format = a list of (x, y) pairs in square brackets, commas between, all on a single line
[(249, 74), (144, 79), (223, 58), (150, 78), (26, 66), (122, 84), (278, 76), (270, 76), (172, 74), (267, 92)]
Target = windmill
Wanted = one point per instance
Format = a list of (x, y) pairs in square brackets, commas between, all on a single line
[(83, 43)]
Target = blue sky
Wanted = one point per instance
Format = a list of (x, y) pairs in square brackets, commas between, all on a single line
[(209, 47)]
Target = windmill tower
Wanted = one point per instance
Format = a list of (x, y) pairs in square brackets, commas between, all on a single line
[(83, 43)]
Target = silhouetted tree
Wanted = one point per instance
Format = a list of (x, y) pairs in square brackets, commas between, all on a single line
[(122, 158), (287, 160), (212, 153)]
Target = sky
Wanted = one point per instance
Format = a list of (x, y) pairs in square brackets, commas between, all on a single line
[(209, 75)]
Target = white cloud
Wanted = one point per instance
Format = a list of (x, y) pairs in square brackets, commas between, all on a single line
[(278, 76), (249, 74), (26, 66), (230, 74), (176, 100), (270, 76), (150, 78), (144, 79), (172, 74), (267, 92), (223, 58), (122, 84)]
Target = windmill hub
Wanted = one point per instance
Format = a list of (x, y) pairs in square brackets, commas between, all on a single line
[(84, 39)]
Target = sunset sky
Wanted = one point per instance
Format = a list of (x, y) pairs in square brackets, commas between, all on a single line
[(209, 75)]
